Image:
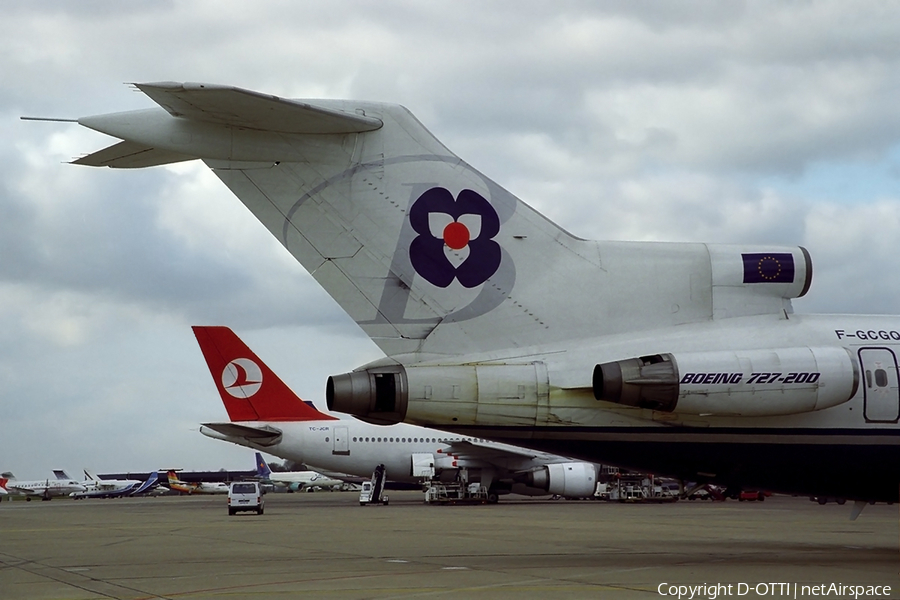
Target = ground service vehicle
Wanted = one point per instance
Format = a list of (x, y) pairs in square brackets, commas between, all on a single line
[(245, 496)]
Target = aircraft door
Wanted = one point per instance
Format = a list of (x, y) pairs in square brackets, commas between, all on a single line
[(881, 389), (341, 441), (423, 465)]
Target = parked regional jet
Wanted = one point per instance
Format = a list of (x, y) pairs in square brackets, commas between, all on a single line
[(195, 487), (266, 415), (294, 480), (45, 489), (684, 359), (95, 487)]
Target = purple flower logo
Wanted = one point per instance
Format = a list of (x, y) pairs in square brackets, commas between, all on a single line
[(461, 227)]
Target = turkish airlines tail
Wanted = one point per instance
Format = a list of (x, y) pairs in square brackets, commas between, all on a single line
[(250, 390)]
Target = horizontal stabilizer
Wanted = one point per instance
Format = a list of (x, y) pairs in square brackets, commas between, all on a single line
[(264, 436), (129, 155), (236, 107)]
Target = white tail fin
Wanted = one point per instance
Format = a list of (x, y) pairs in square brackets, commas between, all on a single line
[(425, 253)]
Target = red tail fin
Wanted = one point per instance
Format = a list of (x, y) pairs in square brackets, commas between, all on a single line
[(249, 389)]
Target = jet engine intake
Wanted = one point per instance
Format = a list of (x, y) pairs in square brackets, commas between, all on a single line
[(377, 395), (765, 382), (571, 480)]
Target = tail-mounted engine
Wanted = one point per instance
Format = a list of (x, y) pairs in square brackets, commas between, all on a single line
[(378, 395), (769, 382), (508, 394)]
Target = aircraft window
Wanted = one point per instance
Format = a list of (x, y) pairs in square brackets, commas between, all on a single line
[(403, 440), (392, 440), (379, 439), (354, 439), (868, 378), (881, 378), (327, 439)]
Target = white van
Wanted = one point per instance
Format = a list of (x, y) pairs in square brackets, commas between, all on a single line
[(245, 495)]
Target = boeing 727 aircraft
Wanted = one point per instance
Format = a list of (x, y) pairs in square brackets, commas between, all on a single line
[(266, 415), (684, 359)]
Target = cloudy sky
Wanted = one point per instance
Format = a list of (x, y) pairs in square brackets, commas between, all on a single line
[(729, 122)]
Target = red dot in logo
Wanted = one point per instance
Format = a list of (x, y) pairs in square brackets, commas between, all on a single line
[(456, 236)]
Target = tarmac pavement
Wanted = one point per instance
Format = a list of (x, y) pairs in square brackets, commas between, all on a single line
[(324, 545)]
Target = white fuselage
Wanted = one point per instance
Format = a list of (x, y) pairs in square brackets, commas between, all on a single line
[(203, 487), (100, 488), (47, 488), (303, 479), (356, 448)]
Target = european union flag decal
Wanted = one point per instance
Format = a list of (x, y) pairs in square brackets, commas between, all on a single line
[(768, 268)]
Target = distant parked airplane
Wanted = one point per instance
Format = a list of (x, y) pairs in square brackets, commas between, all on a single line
[(198, 487), (109, 488), (45, 489), (294, 480)]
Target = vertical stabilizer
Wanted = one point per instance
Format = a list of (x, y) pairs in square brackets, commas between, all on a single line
[(249, 390), (152, 482), (426, 254), (262, 469)]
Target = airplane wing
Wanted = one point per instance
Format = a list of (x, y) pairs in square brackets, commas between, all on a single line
[(489, 452), (235, 107)]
